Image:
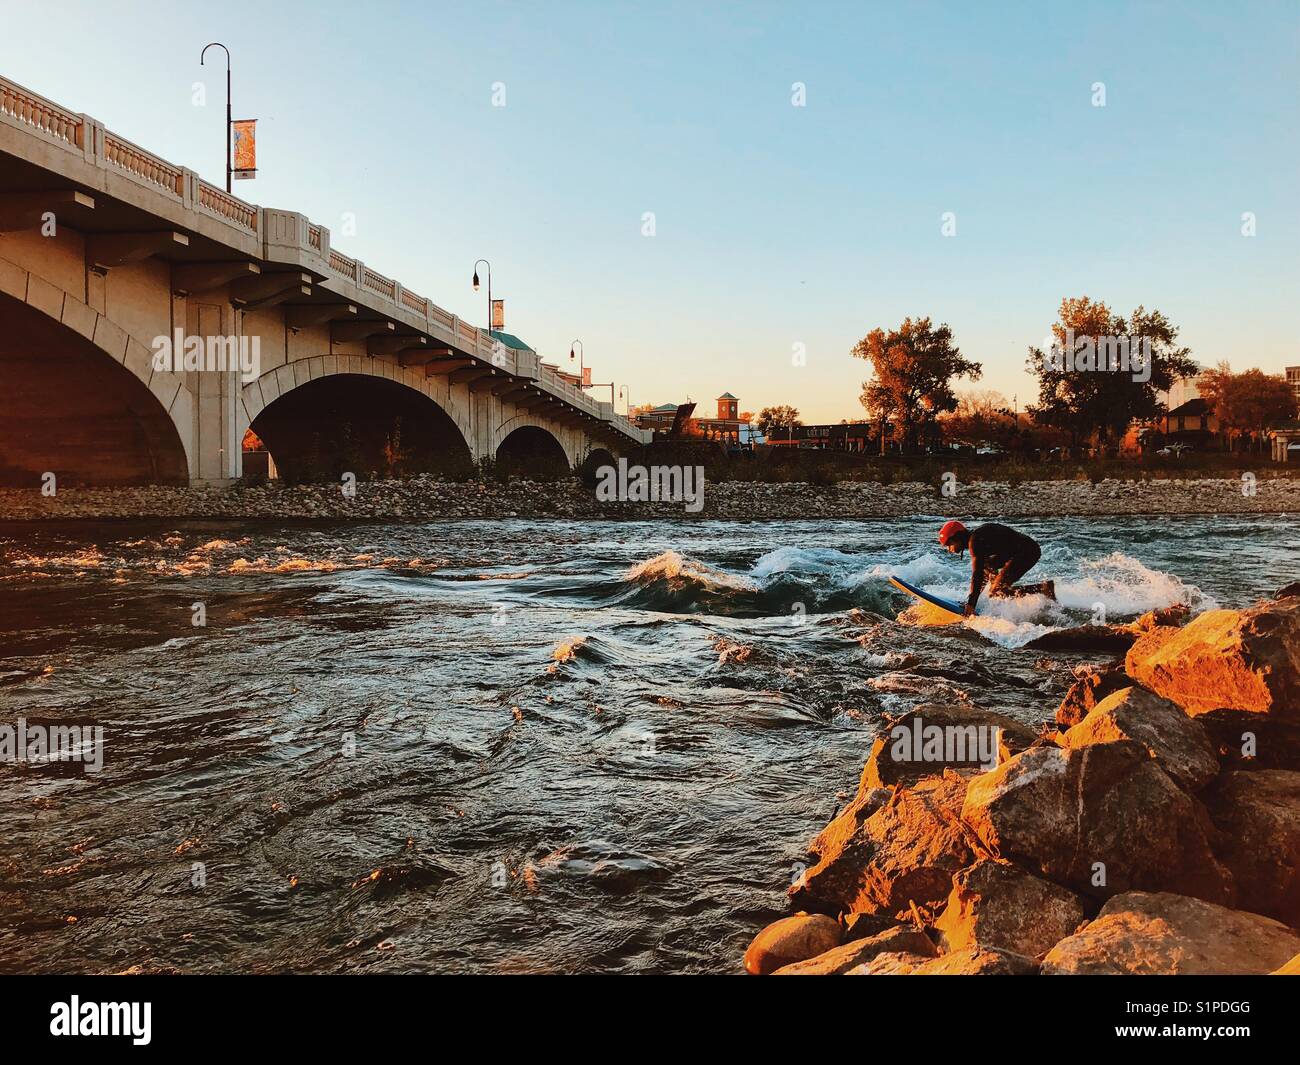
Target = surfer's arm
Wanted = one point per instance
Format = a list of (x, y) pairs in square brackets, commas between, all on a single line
[(977, 572)]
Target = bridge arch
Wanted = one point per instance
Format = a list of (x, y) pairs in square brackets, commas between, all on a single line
[(324, 416), (529, 448), (84, 401)]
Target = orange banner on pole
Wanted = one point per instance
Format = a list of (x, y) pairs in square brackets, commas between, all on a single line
[(498, 314), (244, 164)]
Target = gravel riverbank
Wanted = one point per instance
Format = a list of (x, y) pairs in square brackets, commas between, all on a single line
[(424, 500)]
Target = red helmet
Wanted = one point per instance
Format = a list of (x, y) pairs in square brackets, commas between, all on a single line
[(949, 530)]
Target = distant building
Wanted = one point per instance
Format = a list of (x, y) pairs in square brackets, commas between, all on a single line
[(1182, 390), (728, 426), (1293, 379), (660, 417), (847, 436), (1190, 422)]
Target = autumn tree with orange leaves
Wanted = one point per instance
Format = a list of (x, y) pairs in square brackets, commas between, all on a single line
[(912, 384), (1245, 404)]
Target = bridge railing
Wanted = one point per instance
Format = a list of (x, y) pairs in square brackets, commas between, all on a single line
[(282, 234), (44, 116)]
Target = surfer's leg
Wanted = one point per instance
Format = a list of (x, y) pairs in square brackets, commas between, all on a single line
[(1004, 582)]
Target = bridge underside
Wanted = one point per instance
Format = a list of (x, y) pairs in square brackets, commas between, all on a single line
[(352, 423), (532, 450), (69, 409)]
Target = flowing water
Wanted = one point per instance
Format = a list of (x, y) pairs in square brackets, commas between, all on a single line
[(496, 746)]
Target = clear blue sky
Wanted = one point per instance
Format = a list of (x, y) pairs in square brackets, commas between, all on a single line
[(775, 225)]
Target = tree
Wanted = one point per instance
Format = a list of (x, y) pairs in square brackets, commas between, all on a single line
[(784, 418), (914, 368), (1104, 370), (1245, 404), (980, 416)]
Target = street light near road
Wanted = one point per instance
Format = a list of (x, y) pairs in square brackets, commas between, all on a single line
[(230, 125), (489, 289), (581, 356)]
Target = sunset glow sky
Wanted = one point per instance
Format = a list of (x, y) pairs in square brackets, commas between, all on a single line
[(775, 224)]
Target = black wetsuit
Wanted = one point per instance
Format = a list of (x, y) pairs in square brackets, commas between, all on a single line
[(1000, 556)]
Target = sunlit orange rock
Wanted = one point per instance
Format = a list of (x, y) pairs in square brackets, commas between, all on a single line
[(974, 961), (1226, 659), (995, 904), (1177, 742), (1291, 968), (843, 958), (1100, 819), (882, 858), (1259, 816), (1091, 686), (1166, 935), (791, 939)]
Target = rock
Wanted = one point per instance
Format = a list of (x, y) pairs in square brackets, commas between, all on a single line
[(861, 925), (1172, 935), (1101, 820), (1092, 685), (1170, 615), (1259, 816), (995, 904), (842, 959), (1244, 740), (903, 852), (1226, 659), (974, 961), (1177, 742), (791, 939), (931, 737), (1116, 638), (1285, 593), (1291, 968)]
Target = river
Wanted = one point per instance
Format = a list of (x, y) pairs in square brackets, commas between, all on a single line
[(507, 746)]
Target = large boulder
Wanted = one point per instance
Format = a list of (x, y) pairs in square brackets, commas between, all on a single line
[(1226, 659), (1172, 935), (995, 904), (843, 958), (1091, 685), (903, 852), (929, 738), (1259, 816), (1100, 819), (1243, 740), (974, 961), (791, 939), (1177, 742)]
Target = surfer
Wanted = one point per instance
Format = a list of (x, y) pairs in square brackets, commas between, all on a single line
[(999, 556)]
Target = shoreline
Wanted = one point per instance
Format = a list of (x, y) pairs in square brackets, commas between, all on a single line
[(419, 499)]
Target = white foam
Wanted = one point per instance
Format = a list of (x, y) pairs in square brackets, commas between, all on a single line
[(671, 566), (1126, 588)]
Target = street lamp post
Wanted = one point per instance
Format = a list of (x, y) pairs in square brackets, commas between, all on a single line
[(229, 120), (489, 289), (582, 355), (626, 393)]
